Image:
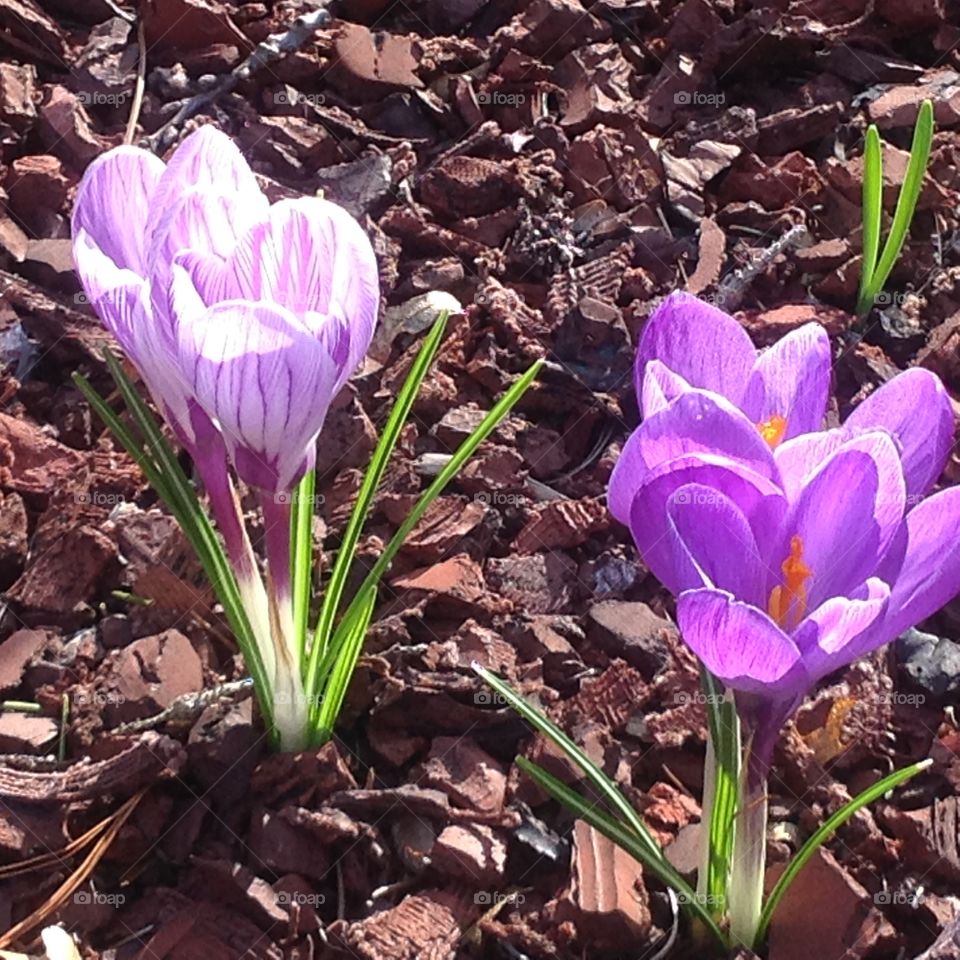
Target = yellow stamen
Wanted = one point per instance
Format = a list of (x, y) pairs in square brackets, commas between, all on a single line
[(772, 430), (788, 603)]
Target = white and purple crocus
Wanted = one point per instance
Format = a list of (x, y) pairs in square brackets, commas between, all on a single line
[(792, 550), (244, 319)]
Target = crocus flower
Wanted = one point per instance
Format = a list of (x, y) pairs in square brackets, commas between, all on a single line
[(792, 550), (789, 563), (245, 320), (133, 213), (268, 335), (688, 343)]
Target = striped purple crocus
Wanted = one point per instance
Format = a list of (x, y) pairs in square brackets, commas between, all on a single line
[(244, 319)]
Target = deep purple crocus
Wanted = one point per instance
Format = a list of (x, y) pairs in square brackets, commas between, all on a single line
[(792, 559), (689, 343)]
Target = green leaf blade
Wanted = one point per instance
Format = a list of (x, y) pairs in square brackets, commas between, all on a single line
[(872, 209), (826, 830), (906, 204)]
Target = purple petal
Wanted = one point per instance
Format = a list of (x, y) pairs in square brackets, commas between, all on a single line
[(739, 643), (792, 380), (206, 161), (313, 258), (664, 489), (704, 345), (111, 209), (714, 534), (834, 634), (206, 221), (930, 573), (695, 422), (266, 379), (660, 386), (125, 311), (914, 407), (846, 517), (798, 459)]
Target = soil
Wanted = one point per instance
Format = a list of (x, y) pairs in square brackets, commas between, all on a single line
[(557, 167)]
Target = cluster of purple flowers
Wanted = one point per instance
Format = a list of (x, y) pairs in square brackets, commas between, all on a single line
[(792, 549)]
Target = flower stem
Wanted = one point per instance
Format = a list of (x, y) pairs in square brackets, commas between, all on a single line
[(209, 456), (745, 895), (291, 711)]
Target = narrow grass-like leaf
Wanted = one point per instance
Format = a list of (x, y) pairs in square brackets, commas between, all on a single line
[(724, 727), (604, 786), (906, 202), (371, 481), (826, 830), (872, 210), (166, 477), (334, 691), (339, 644), (624, 838), (301, 556)]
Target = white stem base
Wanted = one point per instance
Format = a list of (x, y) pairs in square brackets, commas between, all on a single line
[(745, 895)]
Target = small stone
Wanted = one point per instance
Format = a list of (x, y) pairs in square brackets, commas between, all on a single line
[(149, 675), (632, 631), (932, 662), (466, 773)]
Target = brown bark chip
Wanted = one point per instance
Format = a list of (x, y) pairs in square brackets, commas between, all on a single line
[(606, 899), (424, 926), (847, 922)]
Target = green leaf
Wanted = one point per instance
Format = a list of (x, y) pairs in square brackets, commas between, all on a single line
[(164, 473), (623, 837), (724, 725), (827, 830), (340, 642), (301, 556), (371, 481), (906, 205), (872, 208), (334, 691), (599, 780)]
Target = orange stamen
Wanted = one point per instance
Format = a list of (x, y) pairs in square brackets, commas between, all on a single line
[(772, 430), (788, 603)]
